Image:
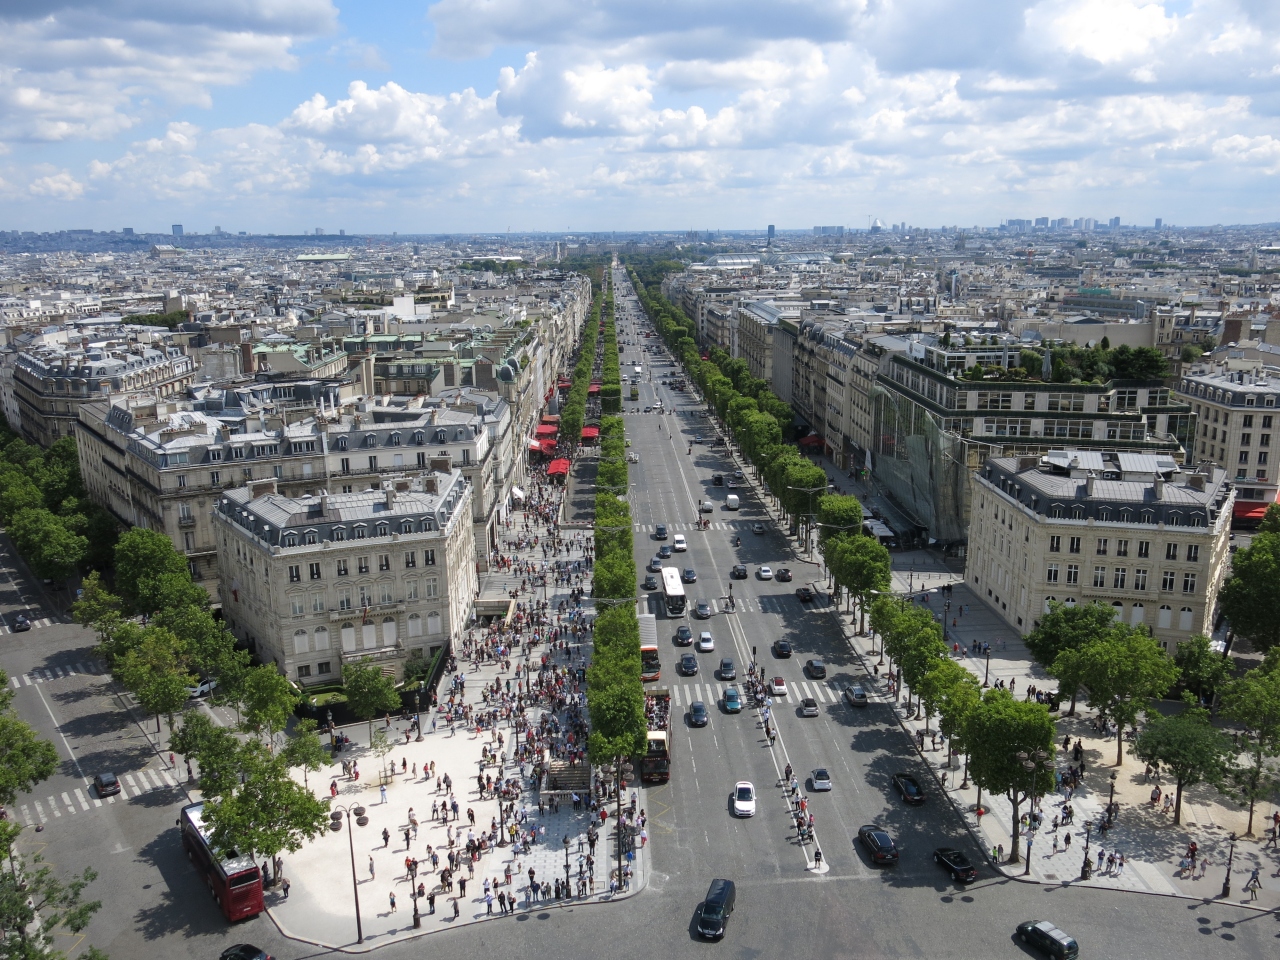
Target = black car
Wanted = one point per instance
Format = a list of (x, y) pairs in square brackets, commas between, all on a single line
[(660, 532), (245, 951), (698, 716), (739, 572), (908, 788), (1048, 939), (878, 844), (664, 551), (804, 594), (956, 864), (655, 565), (689, 665), (650, 583), (684, 635), (717, 480), (727, 669), (702, 610), (782, 648), (21, 624), (817, 669), (106, 784), (690, 575), (783, 575)]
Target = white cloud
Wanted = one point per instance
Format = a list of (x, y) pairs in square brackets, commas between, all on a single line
[(1107, 31), (57, 186)]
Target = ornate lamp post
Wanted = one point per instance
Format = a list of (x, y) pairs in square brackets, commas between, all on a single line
[(417, 712), (1226, 881), (566, 866), (338, 811)]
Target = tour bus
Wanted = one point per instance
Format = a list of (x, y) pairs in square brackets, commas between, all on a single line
[(673, 592), (234, 880), (650, 663)]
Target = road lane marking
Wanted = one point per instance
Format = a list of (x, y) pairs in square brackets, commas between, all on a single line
[(53, 806), (40, 811), (84, 803)]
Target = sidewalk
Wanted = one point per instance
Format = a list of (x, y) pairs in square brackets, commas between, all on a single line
[(321, 908), (1152, 846)]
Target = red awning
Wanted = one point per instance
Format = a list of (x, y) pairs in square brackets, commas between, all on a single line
[(594, 388), (1250, 509), (547, 430), (550, 418), (557, 467), (535, 446), (590, 433), (548, 447), (565, 384), (812, 440)]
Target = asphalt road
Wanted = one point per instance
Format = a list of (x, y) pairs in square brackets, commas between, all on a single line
[(155, 907)]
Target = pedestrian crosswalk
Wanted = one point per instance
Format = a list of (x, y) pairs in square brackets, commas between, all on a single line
[(685, 693), (35, 624), (786, 603), (740, 525), (83, 799), (49, 674)]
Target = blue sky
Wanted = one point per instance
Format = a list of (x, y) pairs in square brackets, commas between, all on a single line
[(460, 115)]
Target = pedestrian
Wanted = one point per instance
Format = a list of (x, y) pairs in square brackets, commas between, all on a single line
[(284, 886), (382, 789), (1253, 885), (431, 902), (393, 902), (1055, 843), (372, 875), (386, 836), (1066, 841), (455, 899), (488, 904), (407, 832)]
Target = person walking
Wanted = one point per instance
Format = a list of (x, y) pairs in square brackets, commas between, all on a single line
[(386, 836), (393, 902), (1253, 884), (284, 886), (372, 874), (382, 791)]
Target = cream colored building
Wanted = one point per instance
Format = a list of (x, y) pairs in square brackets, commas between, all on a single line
[(311, 582), (1238, 428), (1133, 531)]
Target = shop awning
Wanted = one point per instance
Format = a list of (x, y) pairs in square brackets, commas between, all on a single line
[(590, 433), (557, 467), (594, 388), (517, 493), (550, 418), (536, 446), (1250, 509), (547, 430), (548, 447), (812, 440)]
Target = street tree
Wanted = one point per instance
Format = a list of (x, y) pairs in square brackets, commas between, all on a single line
[(1251, 596), (1068, 628), (864, 569), (304, 749), (214, 748), (268, 814), (156, 673), (50, 547), (267, 701), (1270, 520), (25, 759), (151, 574), (35, 904), (1122, 672), (997, 729), (1188, 746), (936, 686), (1253, 702), (97, 608), (369, 691), (838, 514), (1203, 671), (957, 700), (380, 745)]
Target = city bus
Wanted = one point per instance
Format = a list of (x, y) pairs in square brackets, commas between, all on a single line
[(233, 879), (650, 662), (673, 592)]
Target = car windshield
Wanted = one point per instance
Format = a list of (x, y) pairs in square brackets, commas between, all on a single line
[(712, 911), (744, 793), (821, 774)]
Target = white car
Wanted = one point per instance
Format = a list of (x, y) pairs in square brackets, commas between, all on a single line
[(202, 689), (744, 799), (778, 687), (679, 544), (705, 642), (766, 573)]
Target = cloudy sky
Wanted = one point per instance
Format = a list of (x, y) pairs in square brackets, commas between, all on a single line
[(460, 115)]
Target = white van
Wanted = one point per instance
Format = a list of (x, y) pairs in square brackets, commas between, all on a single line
[(731, 501), (679, 545)]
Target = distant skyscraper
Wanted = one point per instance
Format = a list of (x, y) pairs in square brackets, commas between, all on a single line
[(342, 233), (1159, 222), (217, 231), (319, 231), (771, 231), (177, 229), (127, 231), (1115, 223)]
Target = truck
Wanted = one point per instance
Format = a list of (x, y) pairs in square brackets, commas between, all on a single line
[(655, 765), (650, 665)]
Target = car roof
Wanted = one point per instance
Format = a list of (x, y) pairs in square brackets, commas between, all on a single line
[(745, 783)]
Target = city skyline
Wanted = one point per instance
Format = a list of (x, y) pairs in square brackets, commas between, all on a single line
[(455, 117)]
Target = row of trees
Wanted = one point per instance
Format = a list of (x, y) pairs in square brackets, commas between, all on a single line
[(610, 368), (615, 694), (573, 413), (1251, 596)]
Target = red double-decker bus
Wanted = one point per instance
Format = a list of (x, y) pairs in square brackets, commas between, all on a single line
[(234, 880)]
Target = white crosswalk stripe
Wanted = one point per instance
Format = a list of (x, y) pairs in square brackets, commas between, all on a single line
[(53, 806), (40, 812), (26, 815), (15, 681), (675, 695), (128, 779)]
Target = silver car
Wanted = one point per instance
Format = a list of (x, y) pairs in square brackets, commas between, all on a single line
[(820, 779), (856, 694)]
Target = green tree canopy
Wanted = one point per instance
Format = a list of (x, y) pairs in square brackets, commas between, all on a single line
[(1068, 628), (1188, 746), (369, 692), (1251, 596), (1253, 702), (267, 701), (1202, 670), (150, 573)]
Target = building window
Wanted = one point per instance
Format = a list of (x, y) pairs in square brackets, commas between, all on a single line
[(182, 480), (323, 668), (1245, 439), (383, 530), (215, 478), (1244, 456), (1185, 618), (317, 603), (344, 599), (314, 570), (1193, 553), (1171, 551), (1122, 548), (1144, 549), (1102, 546), (1262, 457), (386, 593), (1052, 574), (295, 573), (299, 606), (1055, 544), (373, 463), (1167, 580), (384, 561), (1140, 579), (343, 569), (1188, 583), (304, 671), (1117, 578), (309, 537), (360, 532), (1099, 577), (411, 589), (1073, 573), (1073, 545), (345, 464), (429, 558), (1260, 476), (431, 588), (362, 564)]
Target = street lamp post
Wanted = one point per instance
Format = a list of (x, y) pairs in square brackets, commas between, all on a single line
[(1111, 799), (1226, 881), (351, 844), (1084, 867), (417, 711), (1031, 762), (413, 892), (986, 676), (566, 866)]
